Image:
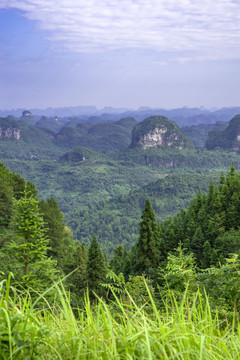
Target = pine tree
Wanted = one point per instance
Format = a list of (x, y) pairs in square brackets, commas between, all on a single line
[(118, 261), (206, 255), (54, 219), (197, 245), (147, 246), (77, 282), (96, 269)]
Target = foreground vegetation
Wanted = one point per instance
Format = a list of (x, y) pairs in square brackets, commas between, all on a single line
[(120, 329)]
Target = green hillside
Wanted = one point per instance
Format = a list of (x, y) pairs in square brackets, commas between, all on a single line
[(227, 139), (31, 143), (105, 137), (95, 189), (198, 134), (175, 293), (116, 221)]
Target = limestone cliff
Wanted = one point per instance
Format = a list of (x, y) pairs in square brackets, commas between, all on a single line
[(9, 129), (158, 131)]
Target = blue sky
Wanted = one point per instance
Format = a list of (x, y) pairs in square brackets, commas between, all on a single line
[(128, 53)]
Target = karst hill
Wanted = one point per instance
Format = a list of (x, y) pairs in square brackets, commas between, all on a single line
[(158, 131)]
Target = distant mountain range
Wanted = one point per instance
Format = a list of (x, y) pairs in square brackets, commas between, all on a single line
[(182, 116)]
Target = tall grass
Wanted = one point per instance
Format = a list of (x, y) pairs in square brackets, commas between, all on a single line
[(185, 329)]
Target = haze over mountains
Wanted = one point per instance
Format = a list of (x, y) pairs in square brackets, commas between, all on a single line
[(182, 116)]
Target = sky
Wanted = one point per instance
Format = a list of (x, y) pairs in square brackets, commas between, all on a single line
[(127, 53)]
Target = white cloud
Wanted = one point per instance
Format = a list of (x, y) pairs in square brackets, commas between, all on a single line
[(206, 29)]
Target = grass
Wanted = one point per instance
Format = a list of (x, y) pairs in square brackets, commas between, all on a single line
[(180, 330)]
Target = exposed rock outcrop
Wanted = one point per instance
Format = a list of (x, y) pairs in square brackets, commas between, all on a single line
[(26, 113), (9, 129), (158, 131)]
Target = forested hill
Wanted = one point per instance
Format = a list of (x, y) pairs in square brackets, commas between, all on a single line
[(104, 192), (59, 298), (208, 229), (228, 138), (116, 221)]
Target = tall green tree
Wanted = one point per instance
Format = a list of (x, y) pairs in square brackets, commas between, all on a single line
[(197, 244), (54, 220), (118, 261), (96, 269), (206, 255), (147, 246)]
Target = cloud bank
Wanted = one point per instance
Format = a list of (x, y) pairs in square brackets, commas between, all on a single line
[(183, 29)]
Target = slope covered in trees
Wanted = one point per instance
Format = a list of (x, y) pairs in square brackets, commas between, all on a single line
[(190, 289), (36, 246), (227, 139), (209, 228), (104, 193)]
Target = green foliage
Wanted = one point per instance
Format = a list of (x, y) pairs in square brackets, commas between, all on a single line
[(54, 222), (180, 272), (227, 138), (198, 161), (105, 193), (104, 137), (49, 124), (119, 259), (6, 195), (117, 221), (223, 284), (210, 226), (116, 284), (78, 154), (73, 261), (199, 133), (138, 289), (34, 143), (26, 252), (147, 250), (116, 330), (96, 269)]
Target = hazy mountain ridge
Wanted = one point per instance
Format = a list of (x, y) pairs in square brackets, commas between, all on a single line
[(182, 116)]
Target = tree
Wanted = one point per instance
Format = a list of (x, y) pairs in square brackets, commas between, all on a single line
[(96, 269), (197, 244), (147, 246), (206, 255), (180, 272), (27, 252), (118, 261), (54, 219), (223, 284)]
